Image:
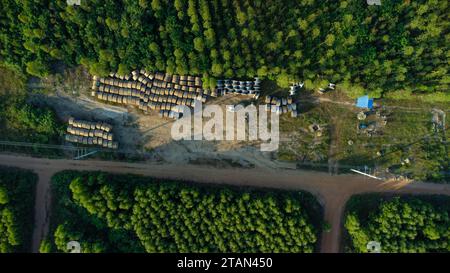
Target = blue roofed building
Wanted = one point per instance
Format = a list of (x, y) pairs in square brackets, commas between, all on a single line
[(364, 102)]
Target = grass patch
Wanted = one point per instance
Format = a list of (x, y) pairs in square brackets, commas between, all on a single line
[(12, 81), (299, 143), (407, 145)]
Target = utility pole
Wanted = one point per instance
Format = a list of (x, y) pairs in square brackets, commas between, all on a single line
[(366, 174)]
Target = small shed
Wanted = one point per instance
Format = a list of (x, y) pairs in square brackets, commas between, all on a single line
[(364, 102)]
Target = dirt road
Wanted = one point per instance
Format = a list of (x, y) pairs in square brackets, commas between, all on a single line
[(41, 208), (332, 191)]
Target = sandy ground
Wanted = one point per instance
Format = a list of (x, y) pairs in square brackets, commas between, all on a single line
[(86, 108), (331, 191), (149, 133)]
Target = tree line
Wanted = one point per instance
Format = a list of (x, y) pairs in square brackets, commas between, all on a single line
[(16, 209), (400, 45), (400, 224), (125, 213)]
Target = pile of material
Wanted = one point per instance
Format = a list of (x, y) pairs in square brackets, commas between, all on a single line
[(90, 133), (294, 87), (330, 87), (151, 91), (281, 105), (252, 88)]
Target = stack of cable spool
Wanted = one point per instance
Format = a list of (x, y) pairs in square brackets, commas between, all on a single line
[(150, 91), (91, 133), (251, 88), (281, 105)]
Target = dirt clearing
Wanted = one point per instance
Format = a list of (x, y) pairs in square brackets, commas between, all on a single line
[(150, 134)]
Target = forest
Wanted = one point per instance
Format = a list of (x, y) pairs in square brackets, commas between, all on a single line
[(17, 190), (22, 120), (401, 224), (401, 45), (126, 213)]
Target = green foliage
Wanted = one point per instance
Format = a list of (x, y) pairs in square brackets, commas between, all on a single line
[(326, 227), (45, 246), (21, 121), (12, 81), (16, 209), (283, 80), (401, 45), (37, 68), (71, 222), (406, 224), (198, 44), (125, 213), (4, 198)]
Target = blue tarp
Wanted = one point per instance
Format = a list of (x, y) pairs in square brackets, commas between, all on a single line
[(364, 102)]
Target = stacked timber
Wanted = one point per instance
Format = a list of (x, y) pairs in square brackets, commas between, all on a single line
[(91, 133), (150, 91), (281, 105)]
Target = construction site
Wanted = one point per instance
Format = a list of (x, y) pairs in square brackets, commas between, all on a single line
[(320, 129), (197, 127)]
